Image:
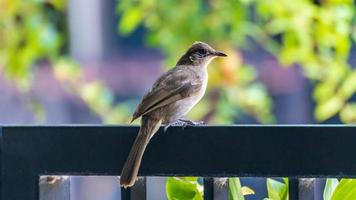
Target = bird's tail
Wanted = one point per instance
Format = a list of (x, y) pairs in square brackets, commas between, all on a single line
[(147, 130)]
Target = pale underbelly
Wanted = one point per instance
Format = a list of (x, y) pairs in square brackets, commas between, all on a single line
[(180, 108)]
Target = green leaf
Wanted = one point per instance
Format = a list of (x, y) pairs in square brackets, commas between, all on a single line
[(324, 91), (235, 189), (247, 190), (329, 108), (331, 184), (183, 189), (348, 113), (131, 18), (346, 190), (276, 190), (348, 88), (59, 4)]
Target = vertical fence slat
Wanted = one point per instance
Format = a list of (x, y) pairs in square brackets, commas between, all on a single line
[(139, 191), (125, 193), (208, 189), (293, 189), (58, 190), (221, 188), (306, 189), (136, 192), (319, 186)]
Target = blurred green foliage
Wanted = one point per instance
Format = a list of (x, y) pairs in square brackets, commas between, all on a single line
[(188, 188), (277, 190), (173, 26), (237, 191), (98, 97), (343, 190), (28, 33), (330, 185), (316, 35), (34, 31), (184, 188)]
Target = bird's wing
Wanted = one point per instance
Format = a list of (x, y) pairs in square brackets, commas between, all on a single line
[(171, 87)]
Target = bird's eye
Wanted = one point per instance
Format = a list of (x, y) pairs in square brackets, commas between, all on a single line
[(202, 51)]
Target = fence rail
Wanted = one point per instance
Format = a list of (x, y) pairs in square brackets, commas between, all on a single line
[(207, 151)]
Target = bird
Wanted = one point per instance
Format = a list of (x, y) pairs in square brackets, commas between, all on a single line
[(171, 97)]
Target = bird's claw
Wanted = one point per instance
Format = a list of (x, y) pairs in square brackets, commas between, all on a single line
[(183, 123), (192, 123), (175, 123)]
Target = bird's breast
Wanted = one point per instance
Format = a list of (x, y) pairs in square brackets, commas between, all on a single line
[(180, 108), (190, 102)]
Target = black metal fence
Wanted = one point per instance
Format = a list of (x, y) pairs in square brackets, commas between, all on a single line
[(208, 151)]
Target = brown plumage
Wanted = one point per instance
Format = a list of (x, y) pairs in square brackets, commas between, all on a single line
[(169, 100)]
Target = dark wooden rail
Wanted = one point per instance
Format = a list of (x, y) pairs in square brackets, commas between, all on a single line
[(207, 151)]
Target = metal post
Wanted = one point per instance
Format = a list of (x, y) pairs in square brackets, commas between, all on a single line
[(208, 188), (58, 190), (293, 188), (136, 192)]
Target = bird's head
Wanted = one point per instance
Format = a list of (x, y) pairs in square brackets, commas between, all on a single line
[(199, 53)]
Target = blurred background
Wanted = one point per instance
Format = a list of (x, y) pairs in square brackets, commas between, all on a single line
[(90, 62)]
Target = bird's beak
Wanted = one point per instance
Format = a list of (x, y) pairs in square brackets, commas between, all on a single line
[(219, 53)]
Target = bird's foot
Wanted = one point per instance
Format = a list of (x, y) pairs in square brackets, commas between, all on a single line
[(192, 123), (175, 123), (183, 123)]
